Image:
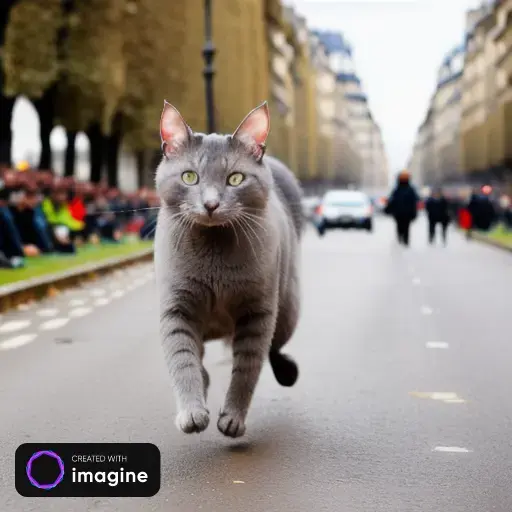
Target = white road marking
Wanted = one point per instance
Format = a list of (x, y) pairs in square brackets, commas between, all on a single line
[(76, 302), (102, 301), (416, 281), (437, 344), (425, 310), (451, 449), (98, 292), (446, 397), (48, 312), (118, 293), (439, 395), (17, 341), (15, 325), (78, 312), (138, 281), (54, 324)]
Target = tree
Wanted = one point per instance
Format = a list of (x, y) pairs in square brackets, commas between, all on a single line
[(30, 66)]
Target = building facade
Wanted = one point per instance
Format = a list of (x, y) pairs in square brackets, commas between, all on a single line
[(466, 136)]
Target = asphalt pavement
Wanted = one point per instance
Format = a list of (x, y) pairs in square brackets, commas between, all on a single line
[(403, 402)]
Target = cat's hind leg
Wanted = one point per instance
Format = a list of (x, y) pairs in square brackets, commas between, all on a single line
[(285, 369)]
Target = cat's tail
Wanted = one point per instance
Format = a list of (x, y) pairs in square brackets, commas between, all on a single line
[(284, 367)]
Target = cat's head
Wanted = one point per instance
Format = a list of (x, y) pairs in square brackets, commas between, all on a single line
[(214, 179)]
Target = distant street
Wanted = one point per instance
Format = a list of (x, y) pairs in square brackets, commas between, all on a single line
[(403, 403)]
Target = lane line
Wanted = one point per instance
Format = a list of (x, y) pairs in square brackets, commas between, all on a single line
[(77, 302), (48, 312), (416, 281), (451, 449), (118, 294), (442, 396), (425, 310), (98, 292), (56, 323), (14, 325), (437, 344), (17, 341), (103, 301), (79, 312)]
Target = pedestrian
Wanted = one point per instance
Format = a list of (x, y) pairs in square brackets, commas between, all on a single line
[(403, 206), (481, 209), (438, 212)]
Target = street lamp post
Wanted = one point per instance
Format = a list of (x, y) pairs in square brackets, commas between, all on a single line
[(208, 54)]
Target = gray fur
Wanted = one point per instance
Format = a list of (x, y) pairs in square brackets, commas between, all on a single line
[(236, 279)]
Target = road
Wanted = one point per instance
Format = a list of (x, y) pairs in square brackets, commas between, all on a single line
[(382, 328)]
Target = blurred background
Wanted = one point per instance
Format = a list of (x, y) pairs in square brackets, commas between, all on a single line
[(93, 76)]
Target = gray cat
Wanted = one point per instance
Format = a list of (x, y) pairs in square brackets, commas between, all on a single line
[(226, 262)]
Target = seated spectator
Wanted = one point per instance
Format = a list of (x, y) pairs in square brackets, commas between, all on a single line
[(11, 245), (147, 231), (107, 224), (31, 224), (64, 228)]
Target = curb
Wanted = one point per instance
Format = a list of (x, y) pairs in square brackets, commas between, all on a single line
[(12, 295), (489, 241)]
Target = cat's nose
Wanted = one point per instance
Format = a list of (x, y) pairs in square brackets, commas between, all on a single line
[(211, 205)]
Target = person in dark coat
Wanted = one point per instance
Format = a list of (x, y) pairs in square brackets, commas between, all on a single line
[(483, 213), (403, 206), (438, 212)]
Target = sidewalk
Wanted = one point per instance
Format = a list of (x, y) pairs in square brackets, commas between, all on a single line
[(47, 275), (499, 237)]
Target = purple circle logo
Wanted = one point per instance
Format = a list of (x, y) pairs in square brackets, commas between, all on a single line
[(45, 453)]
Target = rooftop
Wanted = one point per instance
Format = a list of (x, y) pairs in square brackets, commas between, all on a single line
[(334, 42)]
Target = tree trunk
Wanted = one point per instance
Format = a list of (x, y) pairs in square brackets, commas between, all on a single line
[(140, 158), (69, 161), (45, 107), (112, 147), (96, 143), (6, 108)]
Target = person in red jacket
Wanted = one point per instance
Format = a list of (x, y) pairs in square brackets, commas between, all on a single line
[(77, 208)]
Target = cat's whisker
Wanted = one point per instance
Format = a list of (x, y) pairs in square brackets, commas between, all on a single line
[(181, 227), (246, 234), (242, 223), (256, 220), (232, 225), (124, 211), (248, 221)]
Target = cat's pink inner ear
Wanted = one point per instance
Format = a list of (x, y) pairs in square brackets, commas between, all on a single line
[(254, 129), (174, 132)]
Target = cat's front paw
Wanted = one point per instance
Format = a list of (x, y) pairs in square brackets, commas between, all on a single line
[(230, 424), (192, 420)]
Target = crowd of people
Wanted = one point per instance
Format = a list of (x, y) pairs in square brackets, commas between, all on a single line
[(482, 211), (41, 213)]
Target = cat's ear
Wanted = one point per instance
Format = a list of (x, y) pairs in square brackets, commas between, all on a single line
[(254, 129), (174, 132)]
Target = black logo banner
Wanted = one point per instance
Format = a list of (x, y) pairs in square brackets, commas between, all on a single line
[(87, 469)]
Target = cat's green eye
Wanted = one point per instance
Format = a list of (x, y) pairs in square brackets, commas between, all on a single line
[(235, 179), (190, 177)]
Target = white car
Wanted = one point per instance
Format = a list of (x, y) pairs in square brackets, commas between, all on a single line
[(344, 209)]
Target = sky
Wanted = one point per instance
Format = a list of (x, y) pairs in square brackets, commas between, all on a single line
[(398, 47)]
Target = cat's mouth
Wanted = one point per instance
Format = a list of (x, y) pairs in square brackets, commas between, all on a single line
[(208, 221)]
